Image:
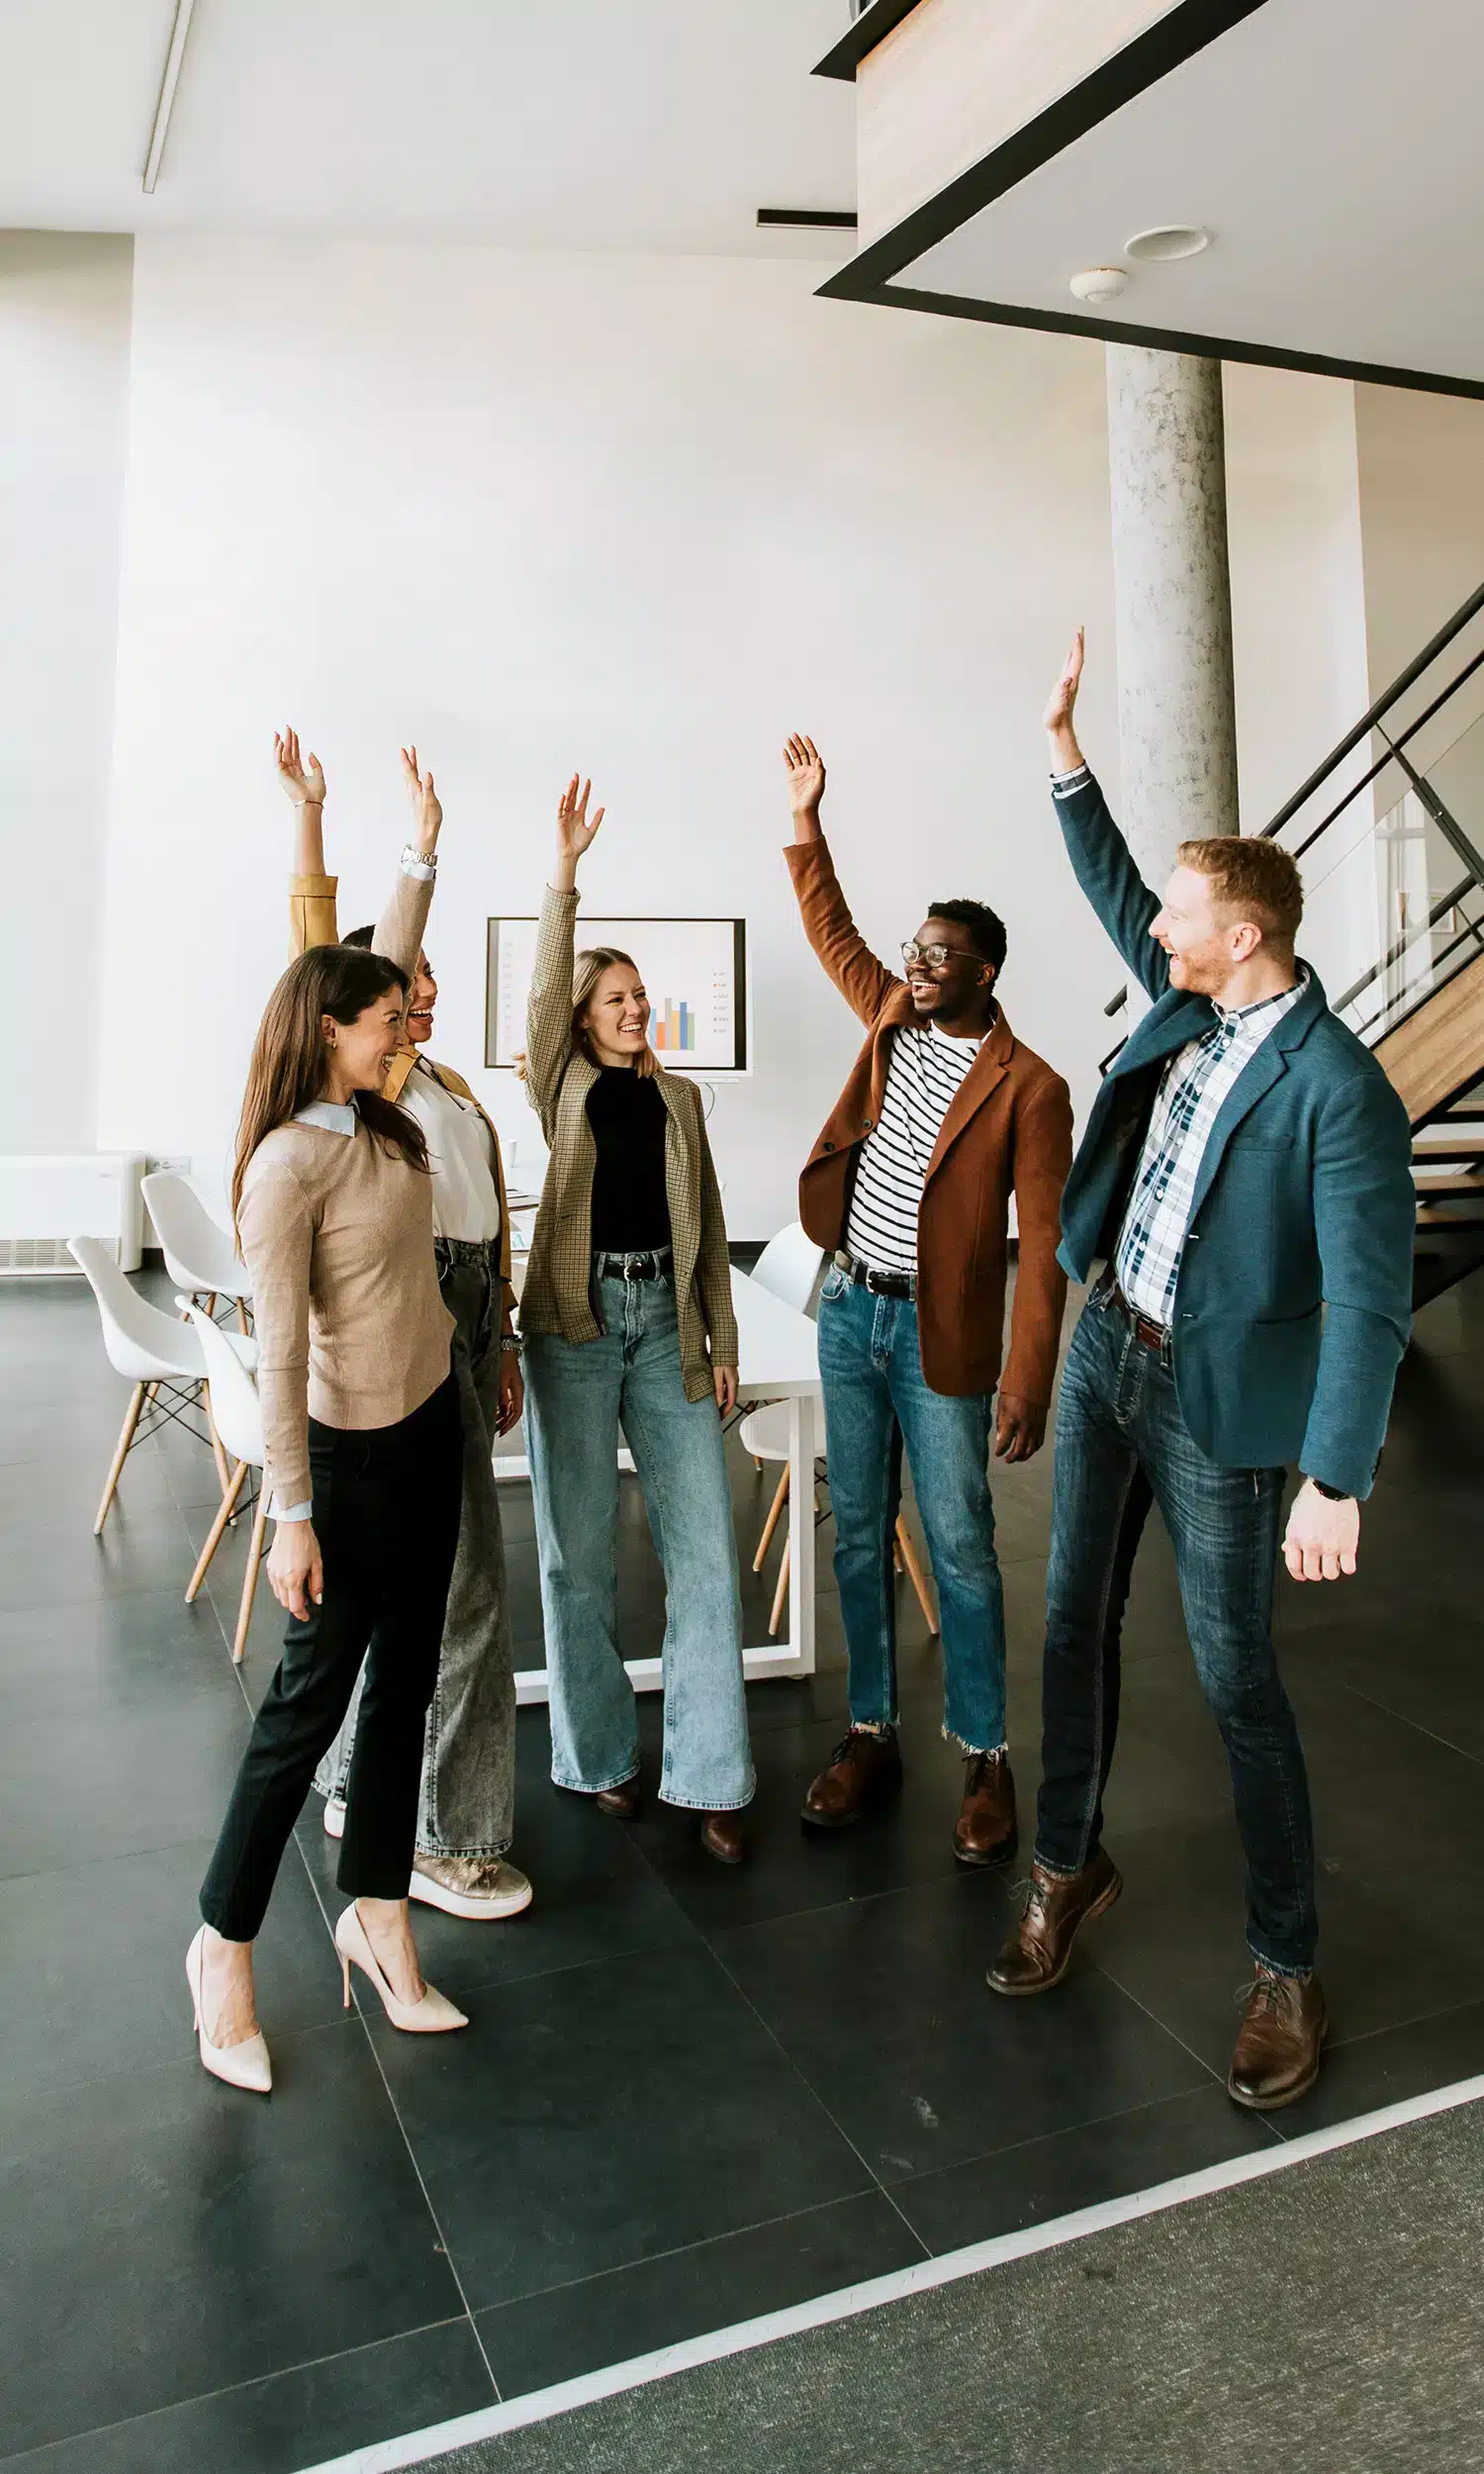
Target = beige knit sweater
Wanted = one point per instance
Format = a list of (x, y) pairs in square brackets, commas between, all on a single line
[(556, 1296), (336, 1233)]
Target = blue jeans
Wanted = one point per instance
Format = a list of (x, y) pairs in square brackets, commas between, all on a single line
[(577, 1393), (1123, 1444), (874, 1398)]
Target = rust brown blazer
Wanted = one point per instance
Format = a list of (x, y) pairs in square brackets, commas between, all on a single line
[(1007, 1130)]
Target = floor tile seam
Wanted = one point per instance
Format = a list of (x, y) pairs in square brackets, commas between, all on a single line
[(135, 2072), (94, 1863), (711, 1934), (1100, 1968), (807, 2084), (573, 1966), (1069, 2130), (444, 2246), (258, 2379), (1399, 1719), (677, 2251)]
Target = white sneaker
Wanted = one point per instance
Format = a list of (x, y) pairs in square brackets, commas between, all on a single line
[(334, 1817), (479, 1888)]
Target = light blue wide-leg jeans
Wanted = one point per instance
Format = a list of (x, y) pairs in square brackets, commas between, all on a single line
[(577, 1394)]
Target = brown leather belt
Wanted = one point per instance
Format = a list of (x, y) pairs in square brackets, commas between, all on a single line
[(1149, 1335)]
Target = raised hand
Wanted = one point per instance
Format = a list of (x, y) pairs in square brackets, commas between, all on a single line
[(805, 769), (1063, 696), (428, 815), (302, 778), (575, 832)]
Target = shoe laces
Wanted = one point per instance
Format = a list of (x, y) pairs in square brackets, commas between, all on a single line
[(975, 1764), (1266, 1994), (849, 1746)]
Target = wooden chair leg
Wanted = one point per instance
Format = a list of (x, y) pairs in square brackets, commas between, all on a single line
[(224, 1474), (120, 1454), (908, 1560), (225, 1510), (780, 1594), (249, 1576), (772, 1522), (242, 1318)]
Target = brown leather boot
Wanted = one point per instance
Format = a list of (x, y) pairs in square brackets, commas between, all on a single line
[(622, 1800), (1277, 2059), (1039, 1950), (985, 1833), (722, 1836), (864, 1767)]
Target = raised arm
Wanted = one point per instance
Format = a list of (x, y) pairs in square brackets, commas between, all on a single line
[(312, 894), (548, 1009), (399, 929), (1098, 853), (863, 981)]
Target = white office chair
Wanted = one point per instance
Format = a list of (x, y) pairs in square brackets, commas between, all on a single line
[(240, 1423), (200, 1256), (162, 1360), (790, 1265)]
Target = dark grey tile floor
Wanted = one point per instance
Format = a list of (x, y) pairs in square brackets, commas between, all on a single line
[(688, 2096)]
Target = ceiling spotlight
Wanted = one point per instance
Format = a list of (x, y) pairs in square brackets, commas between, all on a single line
[(1167, 241), (1099, 283)]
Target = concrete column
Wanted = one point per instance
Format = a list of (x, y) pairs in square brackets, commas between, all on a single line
[(1176, 704)]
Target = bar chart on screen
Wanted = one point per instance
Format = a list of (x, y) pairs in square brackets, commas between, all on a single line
[(695, 974)]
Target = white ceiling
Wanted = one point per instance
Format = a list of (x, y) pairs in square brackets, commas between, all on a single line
[(579, 124), (1333, 148)]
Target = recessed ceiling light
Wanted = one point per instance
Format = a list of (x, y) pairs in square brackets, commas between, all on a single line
[(1166, 240), (1098, 283)]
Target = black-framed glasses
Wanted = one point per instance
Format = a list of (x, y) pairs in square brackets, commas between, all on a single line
[(935, 956)]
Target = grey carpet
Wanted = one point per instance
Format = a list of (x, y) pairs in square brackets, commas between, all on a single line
[(1323, 2321)]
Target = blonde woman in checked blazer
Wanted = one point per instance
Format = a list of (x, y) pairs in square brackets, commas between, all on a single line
[(626, 1317)]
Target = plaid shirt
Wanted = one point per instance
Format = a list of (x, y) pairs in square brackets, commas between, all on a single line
[(1195, 1082)]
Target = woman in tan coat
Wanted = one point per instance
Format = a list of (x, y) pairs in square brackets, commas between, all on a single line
[(628, 1319)]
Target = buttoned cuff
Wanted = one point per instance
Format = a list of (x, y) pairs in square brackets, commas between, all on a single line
[(295, 1512), (1077, 780)]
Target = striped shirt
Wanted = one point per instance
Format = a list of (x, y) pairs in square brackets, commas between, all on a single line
[(1152, 1241), (926, 1070)]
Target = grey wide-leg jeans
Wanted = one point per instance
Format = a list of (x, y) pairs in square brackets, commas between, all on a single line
[(467, 1802)]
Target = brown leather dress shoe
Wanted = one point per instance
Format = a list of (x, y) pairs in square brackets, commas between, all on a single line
[(864, 1767), (1277, 2059), (722, 1836), (624, 1801), (985, 1833), (1039, 1950)]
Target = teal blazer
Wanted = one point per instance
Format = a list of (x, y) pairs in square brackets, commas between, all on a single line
[(1295, 1300)]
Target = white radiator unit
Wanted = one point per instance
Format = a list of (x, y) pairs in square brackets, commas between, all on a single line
[(50, 1198)]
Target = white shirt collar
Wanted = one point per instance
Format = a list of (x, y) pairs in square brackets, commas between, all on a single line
[(335, 1116)]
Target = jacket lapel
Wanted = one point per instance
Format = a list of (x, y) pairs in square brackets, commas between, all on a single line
[(1162, 1034), (986, 1073), (1256, 1080)]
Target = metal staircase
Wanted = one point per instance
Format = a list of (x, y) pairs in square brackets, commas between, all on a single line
[(1394, 920)]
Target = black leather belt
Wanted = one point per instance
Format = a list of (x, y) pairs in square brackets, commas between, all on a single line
[(653, 1264), (879, 1284)]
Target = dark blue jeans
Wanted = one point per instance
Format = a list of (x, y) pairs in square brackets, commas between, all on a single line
[(875, 1398), (1121, 1443)]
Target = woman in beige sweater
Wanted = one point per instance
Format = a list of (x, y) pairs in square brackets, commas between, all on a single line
[(626, 1314), (333, 1208)]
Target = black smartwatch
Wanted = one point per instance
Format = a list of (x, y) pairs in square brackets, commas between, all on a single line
[(1332, 1494)]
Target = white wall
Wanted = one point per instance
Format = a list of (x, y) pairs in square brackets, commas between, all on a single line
[(641, 515), (63, 389)]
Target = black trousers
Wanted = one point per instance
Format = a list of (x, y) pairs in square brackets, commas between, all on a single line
[(387, 1518)]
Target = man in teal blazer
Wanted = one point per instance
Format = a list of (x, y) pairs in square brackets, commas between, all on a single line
[(1246, 1174)]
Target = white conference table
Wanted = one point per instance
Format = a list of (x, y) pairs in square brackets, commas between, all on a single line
[(780, 1361)]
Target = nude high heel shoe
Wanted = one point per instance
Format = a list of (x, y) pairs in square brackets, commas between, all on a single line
[(432, 2016), (245, 2064)]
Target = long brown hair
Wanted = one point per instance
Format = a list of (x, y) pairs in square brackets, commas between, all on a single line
[(289, 1061), (587, 969)]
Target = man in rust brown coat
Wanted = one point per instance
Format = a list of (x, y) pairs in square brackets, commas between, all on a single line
[(944, 1116)]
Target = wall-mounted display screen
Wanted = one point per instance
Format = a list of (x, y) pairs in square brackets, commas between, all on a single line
[(695, 973)]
